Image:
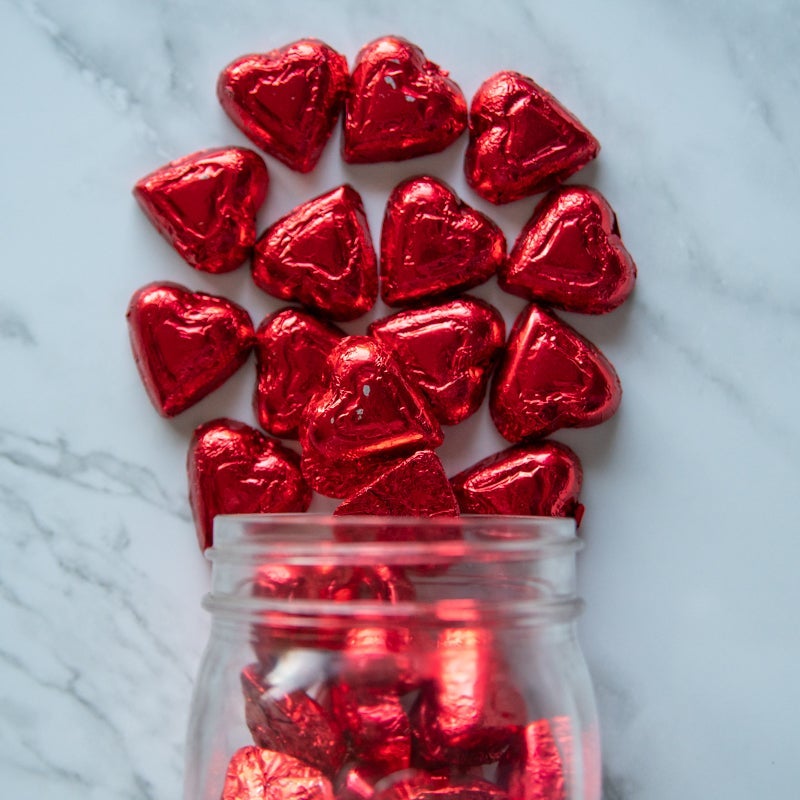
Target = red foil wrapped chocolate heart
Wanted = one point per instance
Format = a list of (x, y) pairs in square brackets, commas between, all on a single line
[(536, 479), (256, 774), (570, 254), (401, 105), (522, 141), (292, 348), (185, 343), (205, 205), (447, 351), (376, 725), (291, 722), (366, 417), (321, 255), (235, 469), (550, 377), (532, 767), (422, 785), (414, 487), (470, 713), (287, 101), (434, 244)]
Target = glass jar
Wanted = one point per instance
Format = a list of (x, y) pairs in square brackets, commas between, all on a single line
[(368, 658)]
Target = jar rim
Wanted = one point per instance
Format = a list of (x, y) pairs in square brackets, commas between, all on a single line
[(247, 537)]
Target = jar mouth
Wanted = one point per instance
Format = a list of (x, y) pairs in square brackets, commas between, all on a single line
[(308, 539)]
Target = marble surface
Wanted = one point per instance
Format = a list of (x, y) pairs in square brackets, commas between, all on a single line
[(690, 573)]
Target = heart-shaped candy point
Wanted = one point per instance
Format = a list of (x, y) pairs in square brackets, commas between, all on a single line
[(570, 254), (434, 244), (365, 418), (185, 344), (550, 377), (447, 351), (205, 205), (537, 479), (292, 349), (287, 101), (522, 140), (401, 105), (321, 255), (235, 469)]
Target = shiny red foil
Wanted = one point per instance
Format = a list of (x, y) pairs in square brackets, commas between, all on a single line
[(536, 479), (287, 101), (376, 725), (357, 782), (434, 244), (401, 105), (292, 723), (471, 712), (366, 417), (447, 351), (235, 469), (522, 141), (550, 377), (321, 255), (292, 348), (532, 768), (570, 254), (256, 774), (379, 656), (205, 205), (185, 343), (415, 487), (422, 785)]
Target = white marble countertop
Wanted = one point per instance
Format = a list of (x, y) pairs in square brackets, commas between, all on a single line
[(693, 520)]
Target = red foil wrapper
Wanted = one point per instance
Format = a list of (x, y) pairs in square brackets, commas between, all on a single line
[(550, 377), (234, 469), (287, 101), (256, 774), (378, 656), (448, 352), (366, 417), (415, 487), (185, 344), (292, 723), (292, 348), (376, 725), (522, 141), (321, 255), (570, 255), (470, 713), (422, 785), (538, 479), (434, 244), (401, 105), (357, 782), (205, 205), (532, 768)]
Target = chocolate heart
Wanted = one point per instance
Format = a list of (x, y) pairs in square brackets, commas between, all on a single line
[(522, 141), (365, 418), (532, 768), (447, 351), (205, 205), (550, 377), (401, 105), (321, 255), (539, 479), (434, 244), (185, 344), (570, 254), (235, 469), (287, 101), (416, 487), (292, 348)]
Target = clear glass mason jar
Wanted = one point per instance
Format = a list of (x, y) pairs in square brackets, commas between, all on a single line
[(365, 658)]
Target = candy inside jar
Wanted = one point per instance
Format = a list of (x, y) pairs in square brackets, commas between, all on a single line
[(349, 663)]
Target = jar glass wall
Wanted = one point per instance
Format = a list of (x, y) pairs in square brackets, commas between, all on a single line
[(393, 659)]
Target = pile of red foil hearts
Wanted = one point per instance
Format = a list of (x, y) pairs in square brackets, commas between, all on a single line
[(368, 410)]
